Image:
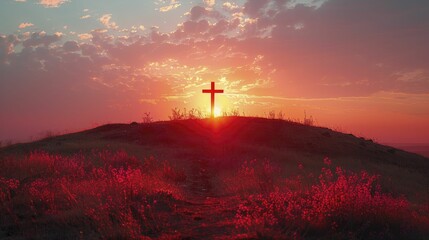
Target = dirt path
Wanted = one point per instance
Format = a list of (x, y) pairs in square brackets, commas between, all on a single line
[(201, 185), (206, 214)]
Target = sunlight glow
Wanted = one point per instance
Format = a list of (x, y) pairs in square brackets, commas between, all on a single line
[(217, 112)]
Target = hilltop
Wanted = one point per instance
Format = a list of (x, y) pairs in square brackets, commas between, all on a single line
[(231, 140), (199, 161)]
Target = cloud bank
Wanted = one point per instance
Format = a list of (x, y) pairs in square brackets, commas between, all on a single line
[(261, 52)]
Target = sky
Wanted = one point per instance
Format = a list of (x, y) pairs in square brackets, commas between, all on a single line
[(357, 66)]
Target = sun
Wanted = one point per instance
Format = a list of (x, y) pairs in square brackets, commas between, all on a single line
[(217, 112)]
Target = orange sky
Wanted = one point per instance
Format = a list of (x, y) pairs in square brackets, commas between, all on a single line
[(358, 66)]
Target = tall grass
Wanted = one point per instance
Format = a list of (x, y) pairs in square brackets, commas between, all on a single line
[(105, 194), (339, 204), (112, 195)]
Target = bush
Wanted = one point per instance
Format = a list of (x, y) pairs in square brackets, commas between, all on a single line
[(271, 114), (195, 114), (177, 114), (106, 194), (232, 113), (281, 115), (308, 121), (252, 176), (340, 205), (147, 117)]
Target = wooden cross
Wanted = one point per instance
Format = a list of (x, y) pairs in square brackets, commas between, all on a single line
[(212, 91)]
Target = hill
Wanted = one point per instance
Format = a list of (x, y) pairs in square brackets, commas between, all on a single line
[(419, 148), (213, 172)]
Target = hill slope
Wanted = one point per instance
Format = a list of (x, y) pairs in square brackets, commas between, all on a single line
[(207, 168), (231, 140)]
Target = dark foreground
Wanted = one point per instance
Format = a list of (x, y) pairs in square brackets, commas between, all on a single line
[(211, 181)]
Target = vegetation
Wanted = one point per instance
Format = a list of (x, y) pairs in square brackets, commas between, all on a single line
[(179, 179), (114, 195), (105, 194), (181, 114), (339, 204), (147, 117), (193, 113)]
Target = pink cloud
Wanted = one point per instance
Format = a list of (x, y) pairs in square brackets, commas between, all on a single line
[(198, 12), (173, 4), (105, 20), (255, 7), (230, 6), (52, 3), (41, 38), (343, 49), (84, 36), (210, 3), (71, 46), (25, 25)]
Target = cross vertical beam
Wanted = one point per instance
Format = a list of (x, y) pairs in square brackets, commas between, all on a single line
[(212, 92)]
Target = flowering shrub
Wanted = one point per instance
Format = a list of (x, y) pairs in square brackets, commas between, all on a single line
[(110, 191), (112, 195), (253, 176), (341, 204), (7, 186), (117, 159)]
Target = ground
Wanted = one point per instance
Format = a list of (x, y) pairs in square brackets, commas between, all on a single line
[(232, 177)]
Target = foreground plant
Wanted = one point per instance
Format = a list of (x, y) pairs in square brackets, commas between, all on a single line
[(104, 194), (340, 204)]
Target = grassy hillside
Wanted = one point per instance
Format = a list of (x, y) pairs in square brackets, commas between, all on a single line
[(235, 176)]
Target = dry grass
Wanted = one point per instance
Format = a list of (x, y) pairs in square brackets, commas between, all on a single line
[(211, 178)]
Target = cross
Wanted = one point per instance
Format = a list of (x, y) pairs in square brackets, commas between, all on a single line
[(212, 91)]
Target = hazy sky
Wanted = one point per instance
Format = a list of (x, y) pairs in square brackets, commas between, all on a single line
[(359, 66)]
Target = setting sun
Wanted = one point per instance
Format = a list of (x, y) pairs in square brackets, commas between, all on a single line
[(217, 111)]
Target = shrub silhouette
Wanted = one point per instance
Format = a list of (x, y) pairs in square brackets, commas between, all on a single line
[(147, 117), (181, 114)]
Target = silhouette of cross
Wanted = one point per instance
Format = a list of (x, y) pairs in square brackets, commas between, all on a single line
[(212, 91)]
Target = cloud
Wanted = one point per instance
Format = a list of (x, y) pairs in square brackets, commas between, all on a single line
[(307, 51), (192, 27), (202, 29), (173, 4), (231, 6), (254, 7), (105, 20), (335, 41), (169, 7), (342, 49), (71, 46), (25, 25), (84, 36), (41, 38), (210, 3), (52, 3), (7, 44), (198, 12)]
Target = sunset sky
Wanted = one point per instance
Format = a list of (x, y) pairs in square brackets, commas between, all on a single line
[(358, 66)]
